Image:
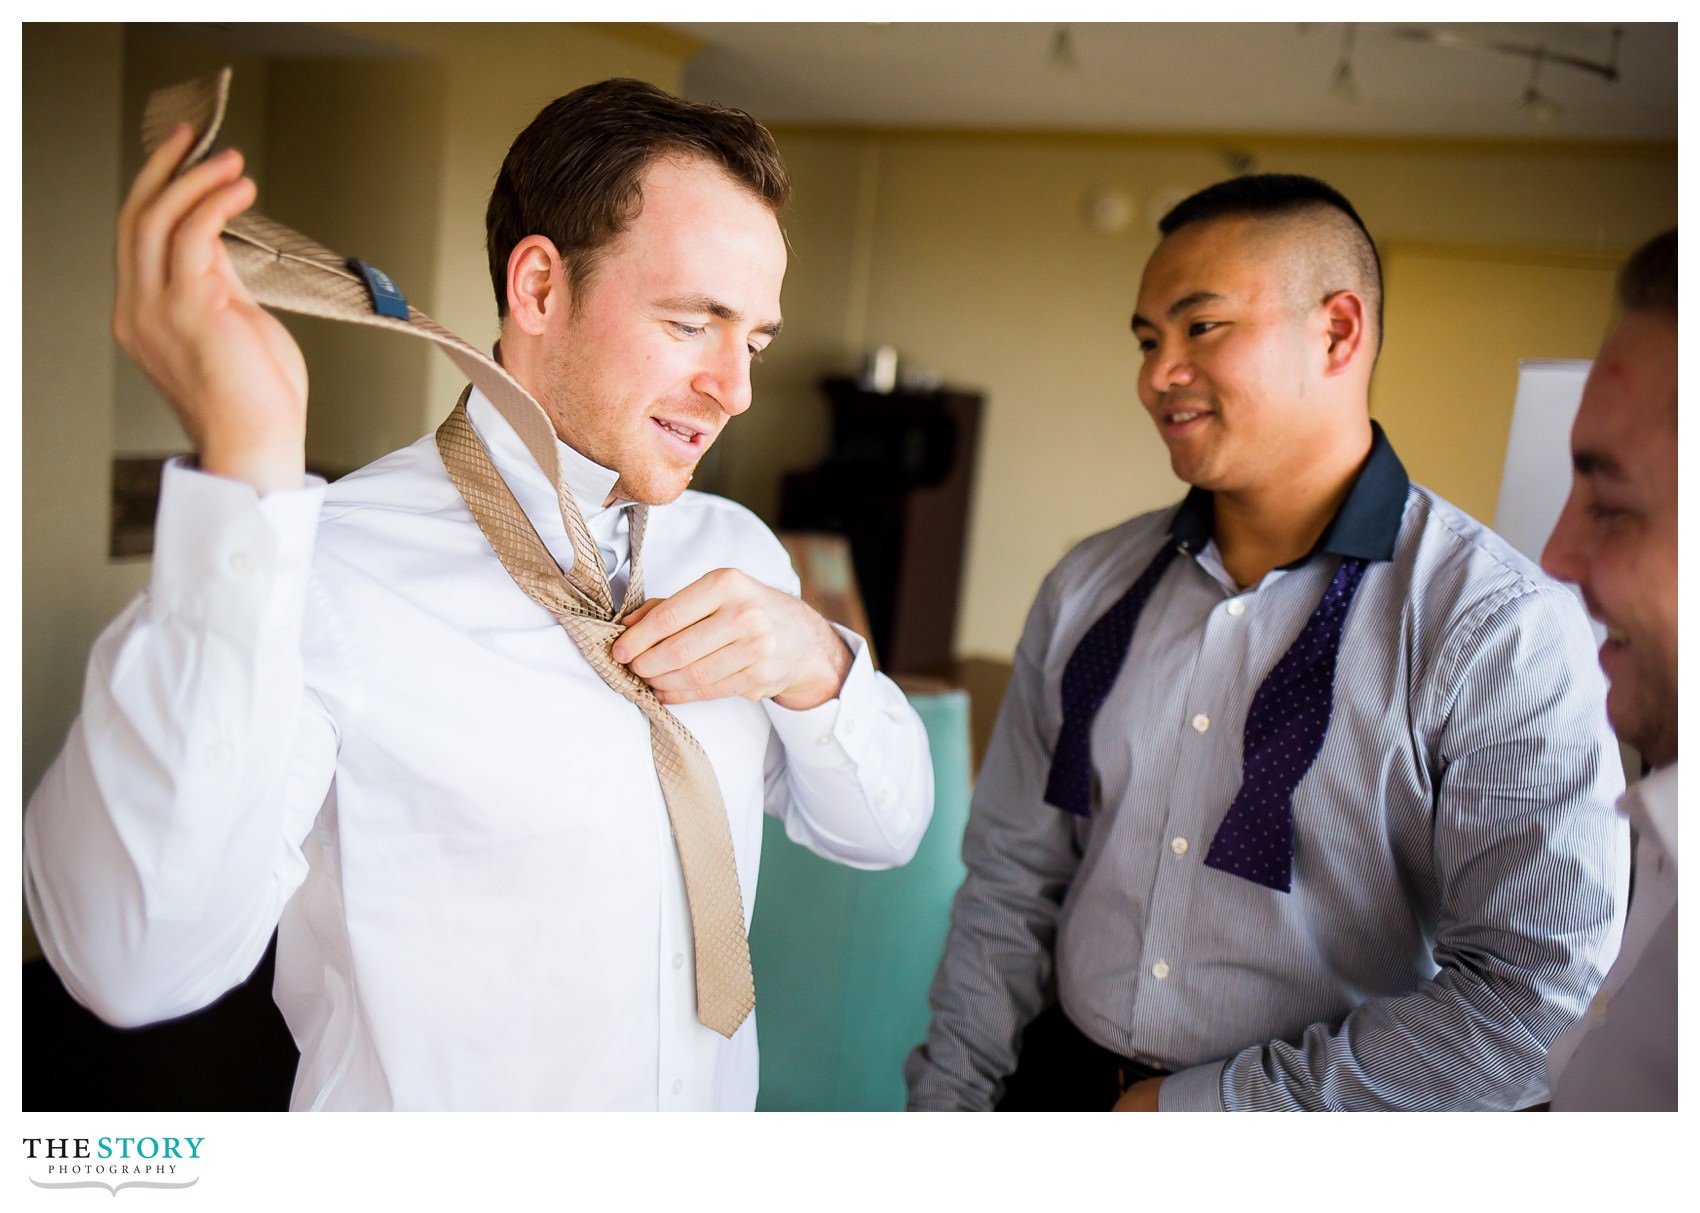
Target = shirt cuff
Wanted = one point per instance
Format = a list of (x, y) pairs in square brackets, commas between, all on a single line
[(832, 734), (228, 557), (1198, 1089)]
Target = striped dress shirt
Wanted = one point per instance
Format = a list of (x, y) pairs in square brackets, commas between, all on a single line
[(1459, 871)]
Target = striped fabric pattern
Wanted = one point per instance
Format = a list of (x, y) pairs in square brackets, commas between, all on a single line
[(1458, 873)]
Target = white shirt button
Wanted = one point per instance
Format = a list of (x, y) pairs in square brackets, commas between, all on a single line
[(824, 739), (243, 563), (849, 726), (678, 960), (219, 755), (1160, 970), (678, 1085), (1179, 845), (1236, 607), (1200, 723)]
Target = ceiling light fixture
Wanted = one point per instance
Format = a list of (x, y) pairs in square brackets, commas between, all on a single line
[(1606, 69), (1542, 108), (1343, 86), (1061, 56)]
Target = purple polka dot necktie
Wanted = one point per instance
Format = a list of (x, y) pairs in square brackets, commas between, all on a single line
[(1285, 725), (1086, 682), (1283, 733)]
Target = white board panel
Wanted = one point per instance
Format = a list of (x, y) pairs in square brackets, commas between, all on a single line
[(1537, 458)]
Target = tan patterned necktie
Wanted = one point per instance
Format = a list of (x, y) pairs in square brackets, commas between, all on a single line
[(725, 987), (283, 269)]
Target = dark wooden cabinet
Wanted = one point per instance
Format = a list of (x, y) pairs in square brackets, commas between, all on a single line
[(897, 482)]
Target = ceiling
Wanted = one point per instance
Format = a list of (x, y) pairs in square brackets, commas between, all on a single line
[(1216, 77)]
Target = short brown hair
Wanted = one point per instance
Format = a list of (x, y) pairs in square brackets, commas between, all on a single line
[(1647, 281), (575, 174)]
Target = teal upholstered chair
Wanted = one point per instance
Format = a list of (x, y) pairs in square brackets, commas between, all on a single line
[(843, 958)]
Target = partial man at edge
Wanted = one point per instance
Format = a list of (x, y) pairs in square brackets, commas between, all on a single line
[(1616, 540)]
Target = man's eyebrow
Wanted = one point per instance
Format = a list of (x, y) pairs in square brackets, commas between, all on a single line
[(1598, 463), (1183, 304), (711, 306)]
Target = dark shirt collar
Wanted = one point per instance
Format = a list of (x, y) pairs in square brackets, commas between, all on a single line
[(1366, 525)]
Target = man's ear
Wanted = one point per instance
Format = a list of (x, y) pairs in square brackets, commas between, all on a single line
[(1348, 332), (537, 282)]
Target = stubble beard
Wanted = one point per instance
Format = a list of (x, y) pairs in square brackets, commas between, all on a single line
[(567, 406), (1645, 715), (650, 495)]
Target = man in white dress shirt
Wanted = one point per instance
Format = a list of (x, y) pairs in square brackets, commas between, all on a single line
[(334, 713), (1616, 539)]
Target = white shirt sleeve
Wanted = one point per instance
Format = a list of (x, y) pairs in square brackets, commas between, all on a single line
[(163, 843), (852, 779)]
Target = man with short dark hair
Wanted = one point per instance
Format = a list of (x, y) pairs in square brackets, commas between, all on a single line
[(335, 712), (1300, 794), (1616, 540)]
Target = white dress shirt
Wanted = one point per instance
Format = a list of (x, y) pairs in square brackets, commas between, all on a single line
[(334, 713), (1621, 1055)]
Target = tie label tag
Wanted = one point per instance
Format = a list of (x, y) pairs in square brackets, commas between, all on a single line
[(387, 299)]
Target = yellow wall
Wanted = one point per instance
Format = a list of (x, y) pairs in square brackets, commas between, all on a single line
[(420, 123), (979, 266), (786, 428), (1445, 389), (71, 101), (496, 79), (967, 252), (373, 192)]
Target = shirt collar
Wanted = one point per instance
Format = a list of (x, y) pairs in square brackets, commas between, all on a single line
[(589, 482), (1365, 526)]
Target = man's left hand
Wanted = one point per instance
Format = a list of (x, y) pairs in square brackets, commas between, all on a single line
[(727, 634), (1140, 1097)]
